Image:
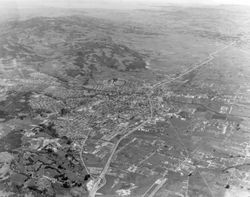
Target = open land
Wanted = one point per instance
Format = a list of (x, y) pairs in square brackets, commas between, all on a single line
[(150, 103)]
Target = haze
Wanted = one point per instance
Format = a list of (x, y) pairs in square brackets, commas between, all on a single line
[(113, 3)]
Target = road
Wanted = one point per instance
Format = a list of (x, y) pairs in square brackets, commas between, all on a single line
[(96, 185), (157, 184), (158, 187), (81, 151), (210, 57)]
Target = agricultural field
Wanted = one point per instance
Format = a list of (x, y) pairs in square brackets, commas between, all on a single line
[(151, 101)]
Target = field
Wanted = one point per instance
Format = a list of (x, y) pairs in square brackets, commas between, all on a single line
[(150, 101)]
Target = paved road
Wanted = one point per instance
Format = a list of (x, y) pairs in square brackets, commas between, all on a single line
[(96, 185), (158, 187), (158, 184), (81, 152), (210, 57)]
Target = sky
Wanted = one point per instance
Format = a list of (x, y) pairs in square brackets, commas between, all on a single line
[(112, 3)]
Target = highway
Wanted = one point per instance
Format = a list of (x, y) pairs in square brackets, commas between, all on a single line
[(210, 57), (81, 151), (96, 185), (156, 186)]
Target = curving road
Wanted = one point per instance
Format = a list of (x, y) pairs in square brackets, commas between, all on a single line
[(96, 185)]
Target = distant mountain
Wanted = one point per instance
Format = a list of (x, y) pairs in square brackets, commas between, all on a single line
[(79, 45)]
